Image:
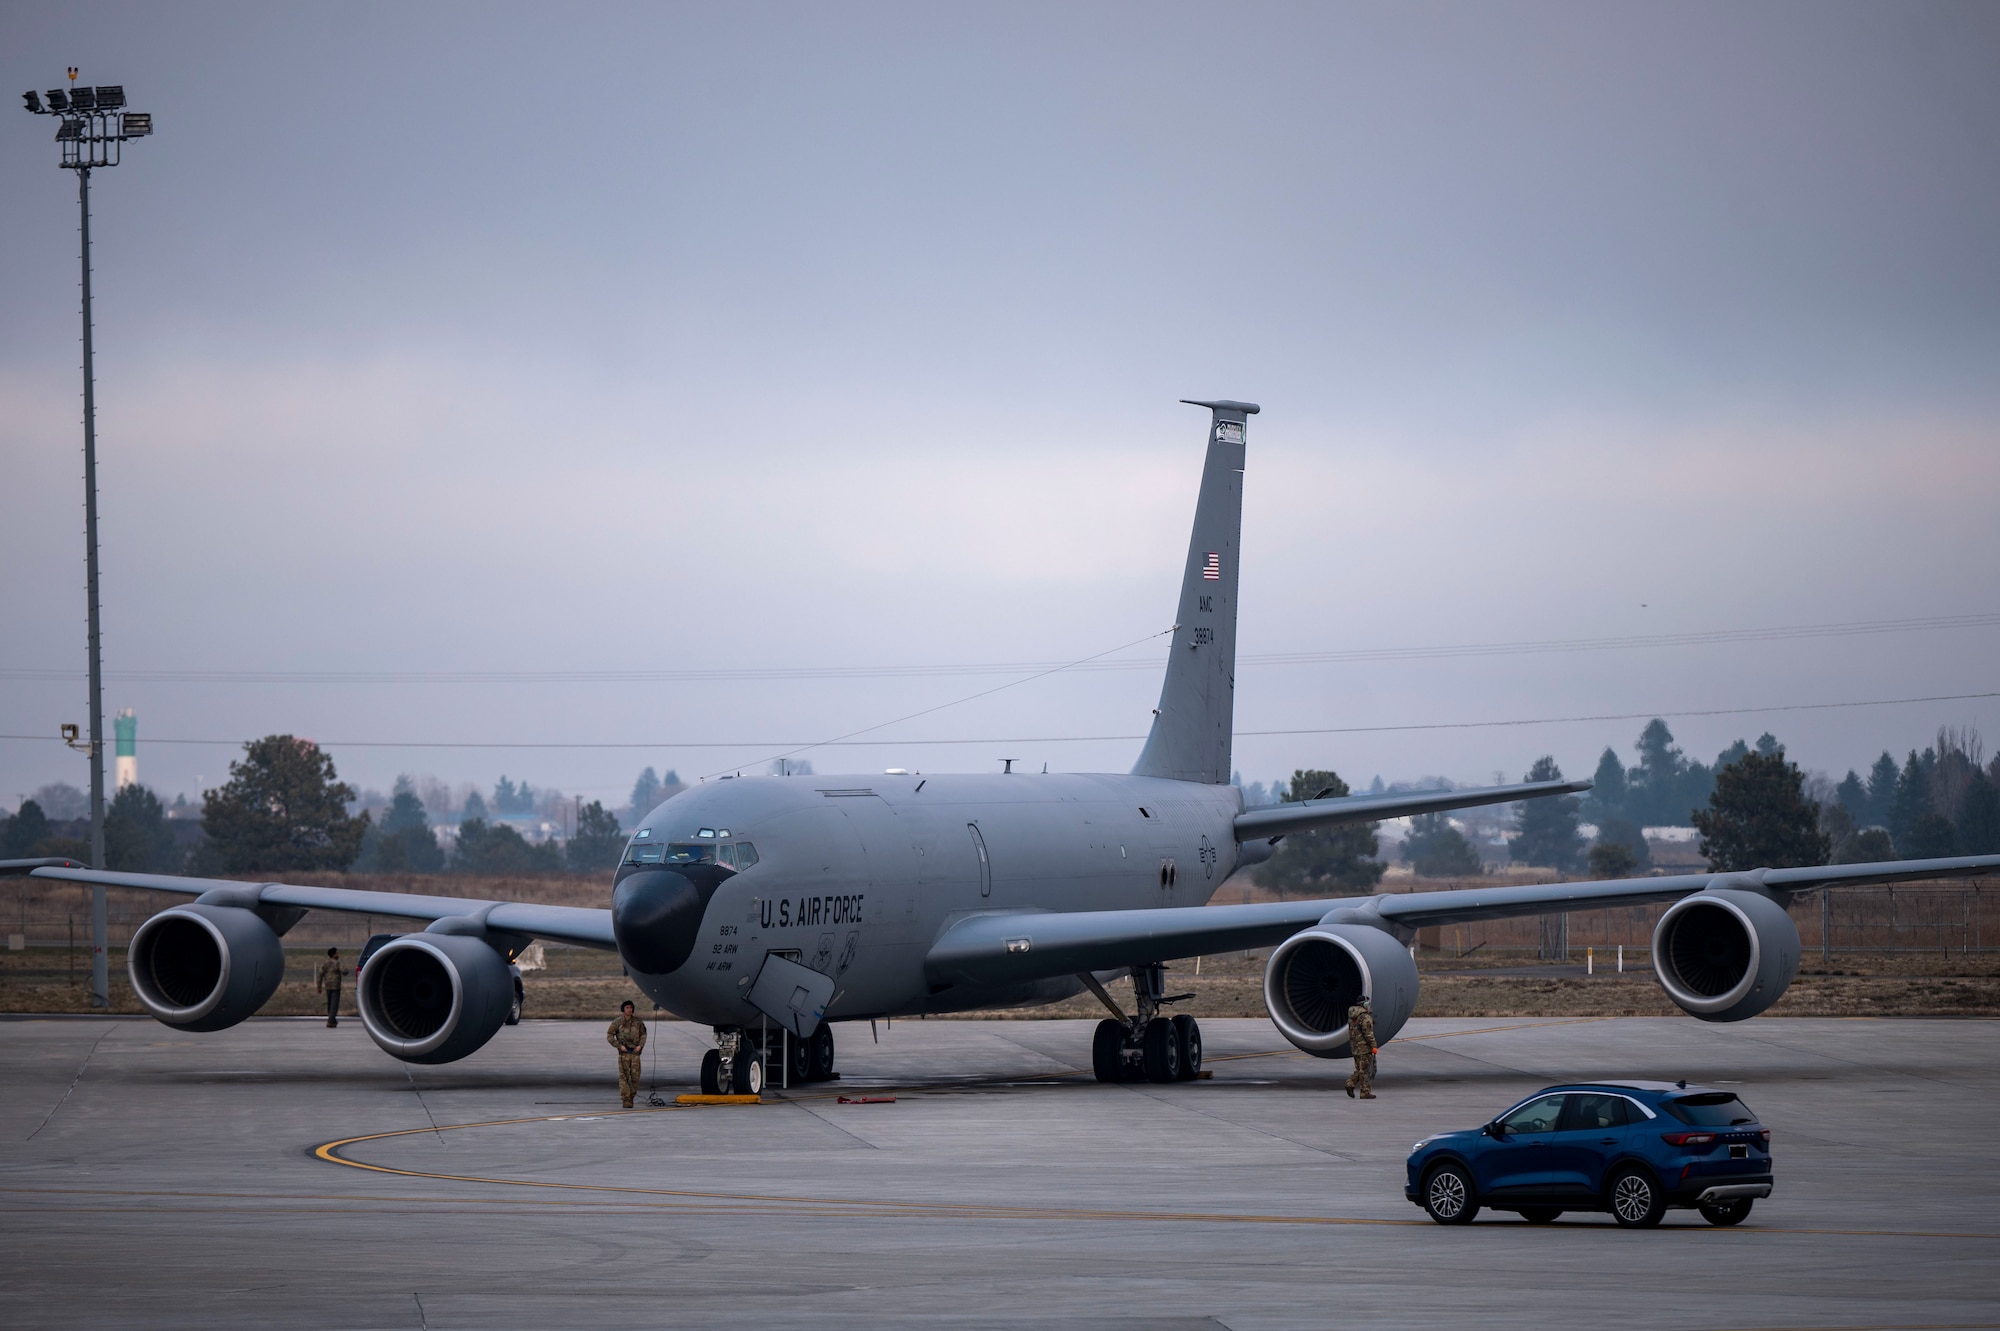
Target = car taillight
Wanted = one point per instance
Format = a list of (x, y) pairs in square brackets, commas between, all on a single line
[(1764, 1137), (1687, 1138)]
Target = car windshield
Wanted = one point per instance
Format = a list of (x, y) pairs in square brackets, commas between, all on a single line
[(1712, 1109)]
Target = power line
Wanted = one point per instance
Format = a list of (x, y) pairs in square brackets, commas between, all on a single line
[(1083, 739), (1631, 642)]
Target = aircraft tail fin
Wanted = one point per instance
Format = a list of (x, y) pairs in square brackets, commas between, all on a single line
[(1193, 726)]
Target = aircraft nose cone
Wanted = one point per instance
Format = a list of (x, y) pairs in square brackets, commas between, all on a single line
[(655, 916)]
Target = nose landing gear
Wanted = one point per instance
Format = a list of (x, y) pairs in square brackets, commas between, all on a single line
[(734, 1066), (1145, 1046)]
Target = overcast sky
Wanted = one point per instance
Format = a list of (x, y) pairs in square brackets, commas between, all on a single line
[(597, 338)]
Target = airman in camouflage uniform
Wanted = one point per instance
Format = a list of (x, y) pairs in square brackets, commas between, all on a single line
[(1361, 1039), (628, 1036), (327, 981)]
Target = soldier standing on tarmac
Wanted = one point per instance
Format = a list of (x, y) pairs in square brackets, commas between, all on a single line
[(628, 1036), (327, 982), (1361, 1039)]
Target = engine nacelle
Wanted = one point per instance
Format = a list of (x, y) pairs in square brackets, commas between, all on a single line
[(1314, 977), (434, 997), (1723, 955), (204, 968)]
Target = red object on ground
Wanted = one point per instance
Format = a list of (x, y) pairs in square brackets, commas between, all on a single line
[(866, 1100)]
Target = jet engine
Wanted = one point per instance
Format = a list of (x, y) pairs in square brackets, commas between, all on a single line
[(434, 997), (1314, 977), (1725, 954), (204, 968)]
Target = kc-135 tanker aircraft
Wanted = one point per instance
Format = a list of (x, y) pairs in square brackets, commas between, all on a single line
[(771, 907)]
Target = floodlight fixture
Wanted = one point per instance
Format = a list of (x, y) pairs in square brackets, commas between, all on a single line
[(94, 129)]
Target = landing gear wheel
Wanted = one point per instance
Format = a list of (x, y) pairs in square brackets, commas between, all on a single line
[(798, 1059), (1540, 1215), (1448, 1196), (1187, 1034), (1162, 1051), (819, 1054), (749, 1073), (1636, 1200), (1727, 1213), (711, 1073), (1107, 1050)]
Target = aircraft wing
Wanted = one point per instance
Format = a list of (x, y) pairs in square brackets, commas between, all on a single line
[(1004, 947), (1418, 910), (1283, 819), (557, 924)]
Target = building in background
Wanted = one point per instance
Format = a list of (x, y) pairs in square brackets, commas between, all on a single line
[(125, 726)]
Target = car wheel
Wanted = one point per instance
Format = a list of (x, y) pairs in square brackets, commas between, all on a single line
[(1727, 1213), (1540, 1215), (1448, 1196), (1636, 1200), (1107, 1051)]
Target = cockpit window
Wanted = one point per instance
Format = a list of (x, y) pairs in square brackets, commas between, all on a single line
[(738, 855), (641, 853), (681, 852)]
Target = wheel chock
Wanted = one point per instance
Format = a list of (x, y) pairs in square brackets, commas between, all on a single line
[(718, 1099)]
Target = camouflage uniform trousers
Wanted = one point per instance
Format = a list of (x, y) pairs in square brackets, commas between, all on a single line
[(1361, 1081), (628, 1077)]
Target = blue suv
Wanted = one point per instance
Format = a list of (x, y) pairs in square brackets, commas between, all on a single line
[(1633, 1148)]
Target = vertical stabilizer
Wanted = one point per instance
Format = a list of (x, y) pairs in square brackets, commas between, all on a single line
[(1192, 729)]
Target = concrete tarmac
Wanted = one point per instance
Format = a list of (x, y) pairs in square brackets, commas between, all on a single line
[(151, 1177)]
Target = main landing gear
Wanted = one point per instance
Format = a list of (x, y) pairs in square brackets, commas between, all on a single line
[(1145, 1046), (743, 1060)]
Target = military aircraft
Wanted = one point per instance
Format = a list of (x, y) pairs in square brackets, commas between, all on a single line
[(769, 908)]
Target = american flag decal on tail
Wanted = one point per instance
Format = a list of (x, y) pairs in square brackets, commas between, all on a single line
[(1212, 569)]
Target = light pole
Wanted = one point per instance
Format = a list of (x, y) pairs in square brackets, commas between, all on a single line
[(93, 128)]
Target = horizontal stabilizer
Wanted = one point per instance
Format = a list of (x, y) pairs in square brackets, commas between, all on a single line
[(1284, 819)]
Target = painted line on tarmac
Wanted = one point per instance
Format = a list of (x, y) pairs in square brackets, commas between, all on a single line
[(707, 1203), (330, 1152)]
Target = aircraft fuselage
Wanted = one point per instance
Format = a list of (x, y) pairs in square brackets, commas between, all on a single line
[(856, 877)]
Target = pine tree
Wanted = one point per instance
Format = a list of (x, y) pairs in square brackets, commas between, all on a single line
[(1759, 817), (1882, 779), (28, 828), (597, 842), (1436, 849), (1911, 801), (283, 808), (1979, 818), (645, 795), (1546, 829), (1607, 797), (136, 836)]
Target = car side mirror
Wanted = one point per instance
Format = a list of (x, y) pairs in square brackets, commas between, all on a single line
[(1496, 1130)]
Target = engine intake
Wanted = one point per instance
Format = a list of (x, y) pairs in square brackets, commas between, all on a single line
[(204, 968), (434, 998), (1316, 975), (1725, 954)]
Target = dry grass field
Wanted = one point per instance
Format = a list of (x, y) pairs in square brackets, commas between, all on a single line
[(1939, 965)]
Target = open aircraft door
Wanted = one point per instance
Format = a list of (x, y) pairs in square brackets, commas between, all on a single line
[(792, 995)]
